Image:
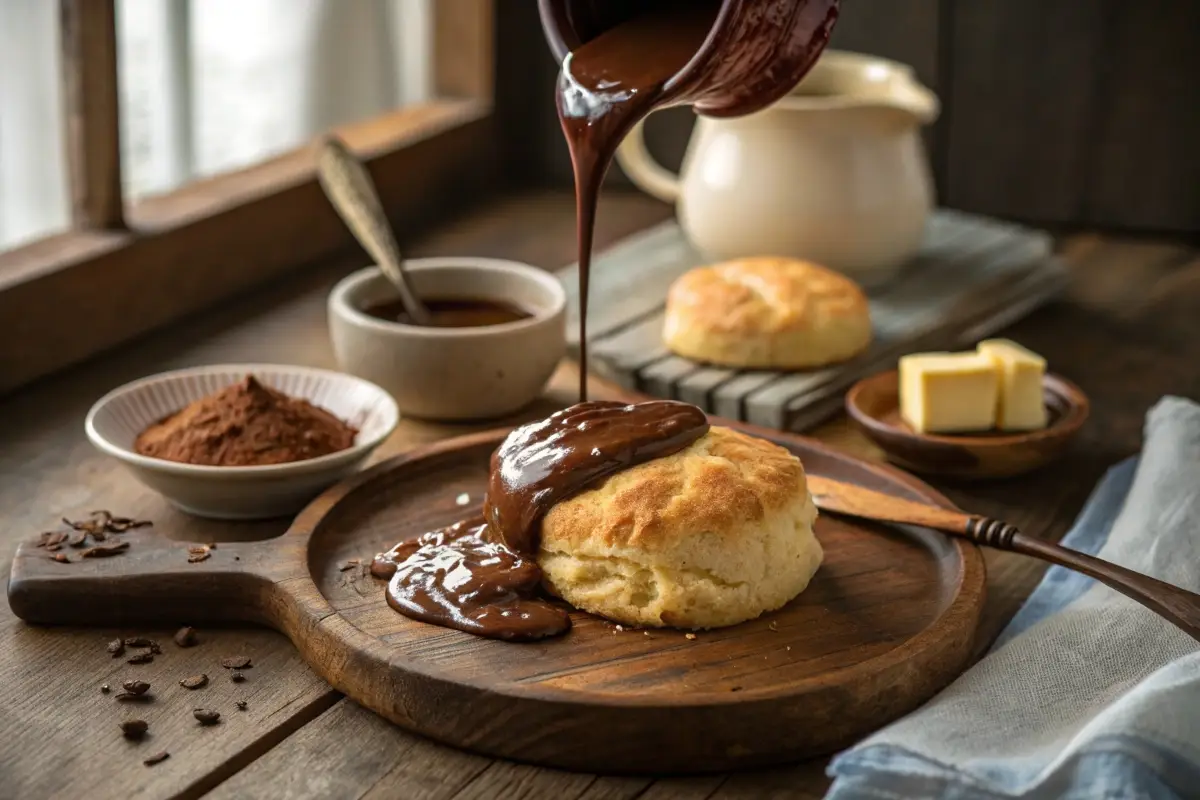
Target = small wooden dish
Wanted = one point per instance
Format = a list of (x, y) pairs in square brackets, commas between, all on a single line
[(874, 404)]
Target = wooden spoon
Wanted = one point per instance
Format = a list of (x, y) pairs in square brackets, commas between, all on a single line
[(353, 194), (1177, 605)]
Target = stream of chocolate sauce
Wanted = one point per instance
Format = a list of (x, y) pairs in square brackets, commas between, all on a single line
[(607, 86), (481, 575)]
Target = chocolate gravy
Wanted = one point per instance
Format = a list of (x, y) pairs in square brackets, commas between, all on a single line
[(455, 313), (481, 575), (547, 461), (606, 86), (459, 577)]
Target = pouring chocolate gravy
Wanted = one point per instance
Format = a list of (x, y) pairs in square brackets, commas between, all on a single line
[(620, 61)]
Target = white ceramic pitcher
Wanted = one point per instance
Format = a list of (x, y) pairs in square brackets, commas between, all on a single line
[(835, 172)]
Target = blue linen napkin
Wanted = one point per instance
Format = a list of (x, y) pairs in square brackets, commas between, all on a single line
[(1085, 694)]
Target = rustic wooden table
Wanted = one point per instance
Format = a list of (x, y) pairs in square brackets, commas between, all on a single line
[(1127, 334)]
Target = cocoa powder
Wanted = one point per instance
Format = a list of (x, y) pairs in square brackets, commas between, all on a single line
[(247, 424)]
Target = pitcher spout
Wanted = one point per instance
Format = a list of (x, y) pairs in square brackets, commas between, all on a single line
[(844, 80)]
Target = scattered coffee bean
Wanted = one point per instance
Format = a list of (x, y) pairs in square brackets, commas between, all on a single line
[(157, 758), (104, 688), (194, 682), (141, 658), (105, 550), (241, 705), (185, 636), (62, 558), (133, 698), (238, 677), (138, 641), (136, 687), (206, 716), (236, 662), (134, 728), (116, 648)]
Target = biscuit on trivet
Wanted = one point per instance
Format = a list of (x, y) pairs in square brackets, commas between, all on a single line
[(713, 535), (766, 313)]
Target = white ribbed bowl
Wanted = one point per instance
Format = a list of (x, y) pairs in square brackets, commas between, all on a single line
[(240, 492)]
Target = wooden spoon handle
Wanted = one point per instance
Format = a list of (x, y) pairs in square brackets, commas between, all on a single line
[(349, 187), (1178, 606)]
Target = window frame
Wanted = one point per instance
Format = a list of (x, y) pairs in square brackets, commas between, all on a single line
[(125, 269)]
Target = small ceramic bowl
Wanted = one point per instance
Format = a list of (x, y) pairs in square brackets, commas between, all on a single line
[(453, 373), (874, 404), (240, 492)]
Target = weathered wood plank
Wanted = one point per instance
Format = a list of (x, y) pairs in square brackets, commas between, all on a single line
[(1142, 169), (89, 43), (1032, 63)]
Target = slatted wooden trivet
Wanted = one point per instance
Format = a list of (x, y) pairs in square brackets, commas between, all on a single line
[(973, 277)]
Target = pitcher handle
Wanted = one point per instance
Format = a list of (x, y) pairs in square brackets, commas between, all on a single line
[(651, 177)]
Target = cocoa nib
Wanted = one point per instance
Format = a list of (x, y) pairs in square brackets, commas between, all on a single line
[(134, 728), (103, 550), (104, 688), (157, 758), (194, 682), (236, 662), (206, 716), (139, 641), (136, 687), (185, 637), (52, 539), (241, 705), (122, 524), (198, 554), (116, 647), (100, 523), (238, 677), (142, 658)]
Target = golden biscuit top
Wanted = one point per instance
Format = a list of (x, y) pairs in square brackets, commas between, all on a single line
[(717, 485), (765, 295)]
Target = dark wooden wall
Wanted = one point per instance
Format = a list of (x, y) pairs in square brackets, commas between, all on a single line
[(1059, 112)]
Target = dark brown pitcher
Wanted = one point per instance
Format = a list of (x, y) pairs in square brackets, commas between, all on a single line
[(756, 52)]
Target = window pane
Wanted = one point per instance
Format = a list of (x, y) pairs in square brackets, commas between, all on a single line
[(34, 200), (210, 86)]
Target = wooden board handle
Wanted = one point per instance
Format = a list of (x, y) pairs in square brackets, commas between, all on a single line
[(151, 582)]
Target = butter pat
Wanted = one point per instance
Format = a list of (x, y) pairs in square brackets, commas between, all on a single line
[(1020, 406), (949, 392)]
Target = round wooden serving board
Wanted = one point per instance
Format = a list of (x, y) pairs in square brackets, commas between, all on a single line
[(887, 621)]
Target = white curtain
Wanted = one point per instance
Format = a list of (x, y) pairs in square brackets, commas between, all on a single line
[(206, 86)]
